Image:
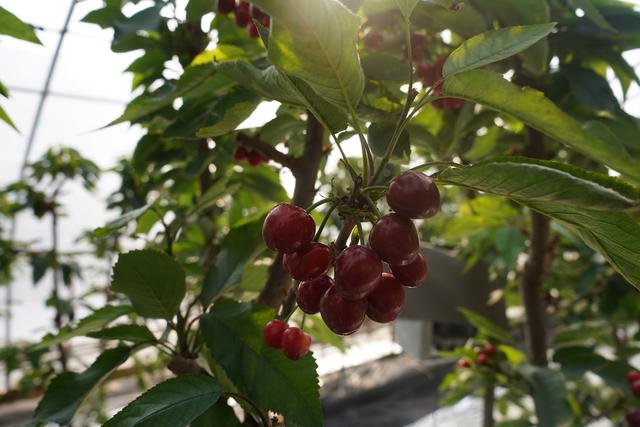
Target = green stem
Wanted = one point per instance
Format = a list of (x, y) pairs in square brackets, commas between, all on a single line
[(324, 223), (374, 188), (319, 203), (372, 204), (345, 160), (263, 418), (367, 157), (304, 317)]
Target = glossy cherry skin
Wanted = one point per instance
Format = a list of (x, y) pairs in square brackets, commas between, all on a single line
[(412, 274), (295, 343), (633, 418), (226, 6), (413, 195), (395, 239), (309, 293), (357, 272), (482, 359), (633, 376), (288, 228), (272, 333), (386, 300), (309, 262), (243, 16), (635, 388), (341, 315)]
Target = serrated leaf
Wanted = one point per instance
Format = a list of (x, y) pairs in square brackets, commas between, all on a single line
[(242, 244), (12, 26), (153, 281), (233, 334), (67, 391), (318, 44), (93, 322), (589, 204), (121, 221), (231, 110), (535, 110), (494, 46), (486, 326), (133, 333), (172, 403)]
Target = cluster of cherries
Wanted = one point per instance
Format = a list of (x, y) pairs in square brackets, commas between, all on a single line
[(245, 13), (483, 356), (633, 417), (241, 153), (359, 287), (293, 341)]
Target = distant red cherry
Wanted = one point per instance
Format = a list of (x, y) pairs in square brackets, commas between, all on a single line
[(414, 195), (266, 22), (412, 274), (482, 359), (464, 363), (633, 376), (254, 158), (633, 418), (395, 239), (243, 16), (635, 388), (386, 300), (288, 228), (309, 293), (295, 343), (257, 13), (309, 262), (253, 30), (373, 40), (427, 73), (240, 153), (226, 6), (272, 333), (342, 316), (489, 350), (357, 272)]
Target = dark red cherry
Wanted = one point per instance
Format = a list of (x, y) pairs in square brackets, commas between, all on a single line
[(272, 333), (412, 274), (288, 228), (243, 16), (226, 6), (395, 239), (257, 13), (240, 153), (295, 343), (357, 272), (341, 315), (253, 30), (489, 350), (311, 261), (482, 359), (373, 40), (309, 293), (633, 376), (254, 158), (633, 418), (386, 300), (413, 195), (635, 388)]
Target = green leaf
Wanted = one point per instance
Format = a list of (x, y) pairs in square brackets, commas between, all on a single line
[(231, 110), (134, 333), (383, 66), (589, 204), (218, 415), (379, 135), (486, 326), (173, 403), (530, 106), (318, 44), (12, 26), (406, 7), (67, 391), (592, 13), (549, 394), (120, 222), (493, 46), (590, 88), (5, 118), (233, 334), (153, 281), (238, 247), (93, 322)]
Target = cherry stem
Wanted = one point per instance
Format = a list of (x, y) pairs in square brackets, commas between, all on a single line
[(345, 160), (432, 164), (318, 203), (324, 223), (256, 409), (288, 315), (374, 188), (304, 317)]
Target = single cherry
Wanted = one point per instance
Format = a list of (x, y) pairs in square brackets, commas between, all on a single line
[(341, 315), (357, 272), (309, 262), (482, 359), (226, 6), (373, 40), (412, 274), (386, 300), (635, 388), (309, 293), (272, 333), (427, 73), (254, 157), (633, 376), (243, 16), (463, 363), (288, 228), (633, 418), (414, 195), (295, 343), (240, 153), (253, 30), (489, 350), (395, 239)]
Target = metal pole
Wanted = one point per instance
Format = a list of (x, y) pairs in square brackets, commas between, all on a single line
[(27, 152)]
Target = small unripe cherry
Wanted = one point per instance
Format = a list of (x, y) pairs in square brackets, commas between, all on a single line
[(387, 299), (309, 262), (357, 272), (309, 293), (288, 228), (395, 239), (633, 376), (635, 388), (295, 343), (341, 315), (413, 195), (412, 274), (272, 333)]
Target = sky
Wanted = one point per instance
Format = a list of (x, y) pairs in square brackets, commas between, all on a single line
[(88, 90)]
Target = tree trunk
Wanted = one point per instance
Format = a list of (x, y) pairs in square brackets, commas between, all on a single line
[(488, 403)]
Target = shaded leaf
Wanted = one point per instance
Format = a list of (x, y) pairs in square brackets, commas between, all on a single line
[(379, 137), (120, 222), (486, 326), (231, 110), (133, 333)]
